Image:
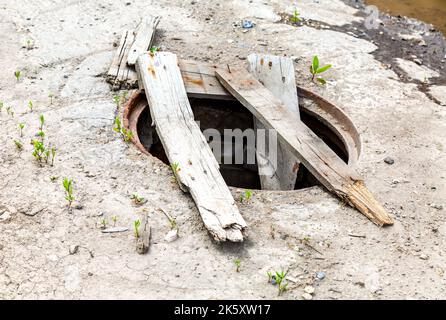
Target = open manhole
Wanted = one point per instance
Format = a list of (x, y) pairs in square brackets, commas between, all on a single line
[(323, 118)]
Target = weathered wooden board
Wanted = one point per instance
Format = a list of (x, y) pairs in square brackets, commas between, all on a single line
[(119, 74), (193, 162), (144, 34), (317, 157), (277, 168)]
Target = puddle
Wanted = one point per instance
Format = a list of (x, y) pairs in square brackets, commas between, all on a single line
[(431, 11)]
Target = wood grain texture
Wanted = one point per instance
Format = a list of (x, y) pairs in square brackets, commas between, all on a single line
[(120, 76), (143, 38), (317, 157), (277, 169), (197, 169)]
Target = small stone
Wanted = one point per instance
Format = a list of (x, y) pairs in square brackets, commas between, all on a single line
[(5, 215), (307, 296), (423, 257), (78, 206), (309, 289), (73, 249), (320, 275), (172, 235), (389, 160), (115, 230), (436, 206)]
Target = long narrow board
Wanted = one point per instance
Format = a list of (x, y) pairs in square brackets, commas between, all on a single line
[(120, 75), (144, 34), (192, 160), (313, 153), (277, 168)]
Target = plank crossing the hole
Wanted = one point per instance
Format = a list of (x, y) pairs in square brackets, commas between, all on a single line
[(313, 153), (277, 168), (194, 164)]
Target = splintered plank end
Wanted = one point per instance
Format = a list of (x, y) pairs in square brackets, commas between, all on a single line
[(361, 198)]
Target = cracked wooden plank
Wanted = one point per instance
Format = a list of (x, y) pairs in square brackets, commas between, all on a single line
[(313, 153), (144, 34), (277, 170), (192, 160)]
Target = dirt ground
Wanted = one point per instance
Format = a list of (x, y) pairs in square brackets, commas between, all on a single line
[(65, 47)]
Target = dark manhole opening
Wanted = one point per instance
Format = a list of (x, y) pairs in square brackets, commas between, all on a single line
[(221, 115)]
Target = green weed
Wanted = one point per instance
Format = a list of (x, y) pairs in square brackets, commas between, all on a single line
[(17, 75), (316, 70), (136, 225), (68, 186)]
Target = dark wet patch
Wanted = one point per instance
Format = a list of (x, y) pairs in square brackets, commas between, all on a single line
[(430, 51)]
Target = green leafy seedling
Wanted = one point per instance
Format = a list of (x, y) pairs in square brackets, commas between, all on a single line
[(175, 167), (154, 49), (103, 223), (51, 96), (68, 186), (137, 199), (117, 100), (280, 280), (136, 225), (54, 178), (53, 155), (39, 150), (127, 135), (42, 122), (295, 17), (114, 219), (21, 127), (29, 44), (9, 111), (246, 195), (118, 127), (18, 144), (316, 70), (270, 276), (237, 263), (17, 75), (30, 105)]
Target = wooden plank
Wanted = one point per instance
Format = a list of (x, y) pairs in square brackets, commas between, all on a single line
[(119, 74), (193, 162), (277, 171), (317, 157), (144, 34)]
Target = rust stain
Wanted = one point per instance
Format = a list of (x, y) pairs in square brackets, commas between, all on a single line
[(261, 61), (198, 82), (152, 71), (295, 167)]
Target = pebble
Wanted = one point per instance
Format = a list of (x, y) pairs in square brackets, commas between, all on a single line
[(309, 289), (389, 160), (423, 257), (115, 229), (73, 249), (436, 206), (307, 296), (320, 275), (172, 235)]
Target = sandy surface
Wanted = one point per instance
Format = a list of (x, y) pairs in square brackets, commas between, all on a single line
[(70, 48)]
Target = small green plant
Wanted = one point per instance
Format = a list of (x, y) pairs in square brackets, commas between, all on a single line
[(42, 122), (154, 49), (30, 105), (54, 178), (246, 195), (9, 111), (237, 263), (137, 199), (280, 280), (114, 219), (118, 127), (136, 225), (103, 223), (295, 17), (29, 44), (18, 144), (175, 167), (53, 155), (21, 127), (1, 106), (17, 75), (51, 96), (316, 70), (117, 100), (68, 186), (127, 135), (39, 150)]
